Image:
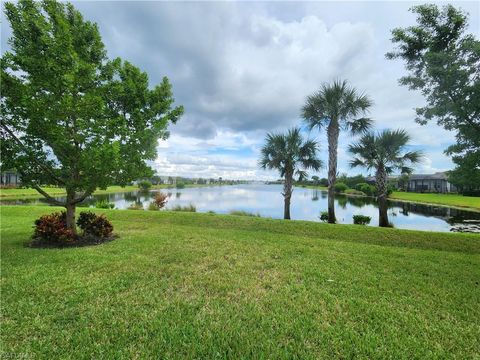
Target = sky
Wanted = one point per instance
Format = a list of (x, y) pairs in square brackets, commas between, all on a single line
[(243, 69)]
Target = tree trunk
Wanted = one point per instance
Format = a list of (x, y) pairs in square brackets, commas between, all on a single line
[(70, 206), (332, 133), (287, 195), (381, 182)]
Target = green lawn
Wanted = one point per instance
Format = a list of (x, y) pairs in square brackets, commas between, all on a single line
[(186, 285), (471, 202), (32, 193)]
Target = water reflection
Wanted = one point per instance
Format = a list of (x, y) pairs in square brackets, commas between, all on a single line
[(306, 205)]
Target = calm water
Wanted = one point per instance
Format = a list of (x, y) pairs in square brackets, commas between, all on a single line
[(307, 204)]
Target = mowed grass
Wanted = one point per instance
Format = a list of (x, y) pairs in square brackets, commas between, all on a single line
[(203, 286), (470, 202)]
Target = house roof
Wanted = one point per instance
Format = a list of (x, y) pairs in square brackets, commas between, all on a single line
[(436, 176)]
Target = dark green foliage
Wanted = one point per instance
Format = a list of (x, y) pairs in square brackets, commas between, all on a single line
[(340, 187), (144, 185), (52, 229), (180, 185), (94, 225), (443, 62), (366, 188), (351, 181), (361, 219), (324, 216)]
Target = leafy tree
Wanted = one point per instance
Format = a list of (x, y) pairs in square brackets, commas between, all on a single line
[(292, 156), (70, 116), (315, 179), (443, 62), (384, 152), (336, 107)]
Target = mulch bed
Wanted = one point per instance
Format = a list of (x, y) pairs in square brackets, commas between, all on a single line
[(80, 241)]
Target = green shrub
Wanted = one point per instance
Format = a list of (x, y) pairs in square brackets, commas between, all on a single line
[(340, 187), (368, 189), (180, 185), (94, 225), (145, 185), (187, 208), (324, 216), (52, 229), (104, 204), (361, 219), (243, 213)]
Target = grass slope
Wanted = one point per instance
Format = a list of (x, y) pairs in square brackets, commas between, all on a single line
[(468, 202), (181, 285)]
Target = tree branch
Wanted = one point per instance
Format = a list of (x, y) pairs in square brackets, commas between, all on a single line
[(47, 196), (19, 142)]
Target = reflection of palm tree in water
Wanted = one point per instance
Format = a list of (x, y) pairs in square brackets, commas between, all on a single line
[(315, 195), (178, 194)]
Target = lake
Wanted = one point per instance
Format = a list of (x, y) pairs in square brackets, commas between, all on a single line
[(307, 204)]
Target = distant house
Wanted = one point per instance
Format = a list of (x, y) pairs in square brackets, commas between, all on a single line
[(9, 178), (437, 182)]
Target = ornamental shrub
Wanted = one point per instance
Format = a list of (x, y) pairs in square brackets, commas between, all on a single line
[(361, 219), (52, 229), (95, 225)]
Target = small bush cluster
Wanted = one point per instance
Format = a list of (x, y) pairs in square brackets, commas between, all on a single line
[(361, 219), (340, 187), (104, 204), (187, 208), (324, 216), (144, 185), (368, 189), (180, 185), (94, 225), (52, 229)]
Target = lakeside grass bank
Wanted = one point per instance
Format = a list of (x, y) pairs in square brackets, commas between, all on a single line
[(189, 285), (470, 203)]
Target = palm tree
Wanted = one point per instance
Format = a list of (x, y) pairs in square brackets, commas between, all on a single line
[(291, 155), (384, 152), (336, 107)]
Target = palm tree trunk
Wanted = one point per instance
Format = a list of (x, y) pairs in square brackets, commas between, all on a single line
[(332, 133), (287, 195), (381, 182)]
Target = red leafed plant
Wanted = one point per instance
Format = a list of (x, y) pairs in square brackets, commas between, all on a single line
[(52, 228)]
